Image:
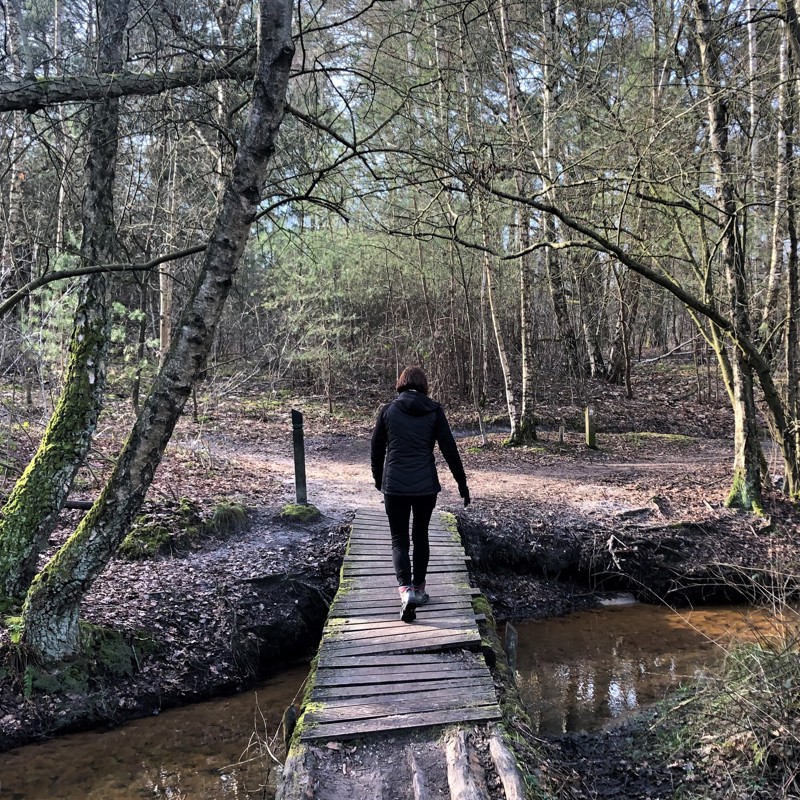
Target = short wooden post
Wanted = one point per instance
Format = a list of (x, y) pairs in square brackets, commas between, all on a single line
[(299, 458), (590, 438), (511, 647), (561, 432)]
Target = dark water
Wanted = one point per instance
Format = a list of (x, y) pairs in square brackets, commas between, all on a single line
[(580, 672), (198, 752)]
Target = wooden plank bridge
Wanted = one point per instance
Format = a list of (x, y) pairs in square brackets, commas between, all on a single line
[(376, 673)]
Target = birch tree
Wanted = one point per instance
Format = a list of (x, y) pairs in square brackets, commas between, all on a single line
[(52, 605)]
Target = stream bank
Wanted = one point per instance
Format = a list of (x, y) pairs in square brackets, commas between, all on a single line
[(210, 622)]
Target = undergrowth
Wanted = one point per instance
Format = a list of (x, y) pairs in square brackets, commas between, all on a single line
[(738, 734)]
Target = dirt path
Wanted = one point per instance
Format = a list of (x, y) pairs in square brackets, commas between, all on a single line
[(339, 479)]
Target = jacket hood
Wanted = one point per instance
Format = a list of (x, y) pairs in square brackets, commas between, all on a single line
[(415, 403)]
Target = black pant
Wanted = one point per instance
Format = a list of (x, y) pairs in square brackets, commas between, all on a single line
[(398, 510)]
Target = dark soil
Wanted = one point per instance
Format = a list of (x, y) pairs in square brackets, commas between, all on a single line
[(552, 527)]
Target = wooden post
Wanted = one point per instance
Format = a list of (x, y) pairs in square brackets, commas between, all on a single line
[(590, 438), (561, 432), (511, 647), (299, 458)]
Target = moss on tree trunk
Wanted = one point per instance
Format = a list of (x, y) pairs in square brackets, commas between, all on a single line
[(55, 595), (31, 512)]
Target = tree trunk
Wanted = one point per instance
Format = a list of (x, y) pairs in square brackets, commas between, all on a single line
[(746, 489), (502, 352), (166, 279), (590, 311), (785, 124), (551, 30), (50, 613), (527, 418), (792, 473), (32, 509), (525, 429)]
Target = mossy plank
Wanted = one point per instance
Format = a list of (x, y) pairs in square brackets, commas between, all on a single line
[(398, 722)]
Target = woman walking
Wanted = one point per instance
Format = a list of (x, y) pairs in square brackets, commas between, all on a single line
[(404, 469)]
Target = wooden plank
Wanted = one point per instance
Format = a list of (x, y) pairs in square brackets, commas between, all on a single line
[(383, 538), (368, 530), (339, 626), (424, 699), (385, 567), (415, 632), (391, 660), (378, 517), (424, 641), (365, 676), (387, 570), (465, 638), (381, 528), (364, 552), (398, 722), (424, 615), (347, 607), (389, 598), (376, 528), (375, 612), (378, 592), (350, 708), (362, 690), (380, 559)]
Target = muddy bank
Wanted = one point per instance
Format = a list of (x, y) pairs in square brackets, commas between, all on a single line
[(541, 560), (211, 622)]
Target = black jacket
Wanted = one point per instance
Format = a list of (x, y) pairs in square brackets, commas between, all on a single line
[(408, 428)]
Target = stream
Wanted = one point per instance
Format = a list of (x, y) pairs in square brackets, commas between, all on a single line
[(585, 670), (204, 751), (578, 672)]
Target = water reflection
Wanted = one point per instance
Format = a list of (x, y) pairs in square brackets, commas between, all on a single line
[(578, 672), (193, 752)]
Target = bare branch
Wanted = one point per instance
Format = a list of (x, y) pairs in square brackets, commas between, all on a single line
[(91, 269), (38, 93)]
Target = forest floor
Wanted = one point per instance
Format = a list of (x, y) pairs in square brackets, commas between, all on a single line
[(551, 528)]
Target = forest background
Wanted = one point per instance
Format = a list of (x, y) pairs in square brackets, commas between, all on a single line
[(502, 192)]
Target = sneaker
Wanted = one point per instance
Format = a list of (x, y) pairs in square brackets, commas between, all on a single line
[(421, 595), (408, 606)]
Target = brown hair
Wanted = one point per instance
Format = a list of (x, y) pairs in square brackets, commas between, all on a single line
[(412, 378)]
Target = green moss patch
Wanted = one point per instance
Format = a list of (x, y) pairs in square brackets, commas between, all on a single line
[(180, 526), (104, 653), (297, 512), (228, 517)]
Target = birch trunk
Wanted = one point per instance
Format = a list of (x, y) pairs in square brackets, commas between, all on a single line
[(771, 300), (551, 14), (525, 429)]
